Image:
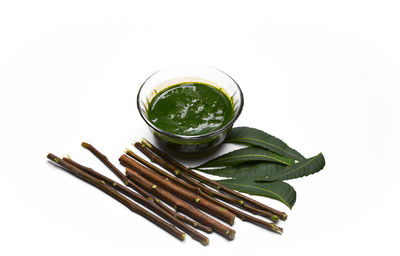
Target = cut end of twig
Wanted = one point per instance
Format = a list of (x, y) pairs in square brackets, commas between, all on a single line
[(154, 186), (232, 235), (127, 182), (276, 229), (157, 200), (205, 242), (241, 202), (274, 218), (145, 142), (195, 224), (183, 236), (176, 171), (128, 151), (85, 145), (284, 216), (197, 199), (137, 144)]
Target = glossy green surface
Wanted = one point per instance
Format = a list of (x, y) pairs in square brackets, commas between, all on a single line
[(190, 109)]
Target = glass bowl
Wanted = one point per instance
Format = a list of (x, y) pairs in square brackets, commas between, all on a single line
[(189, 73)]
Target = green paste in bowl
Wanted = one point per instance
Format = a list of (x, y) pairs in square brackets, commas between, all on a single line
[(190, 109)]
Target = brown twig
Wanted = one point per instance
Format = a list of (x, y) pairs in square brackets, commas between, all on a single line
[(148, 202), (210, 182), (241, 215), (183, 175), (105, 160), (194, 199), (137, 188), (100, 184), (192, 223), (186, 220), (180, 205), (180, 182)]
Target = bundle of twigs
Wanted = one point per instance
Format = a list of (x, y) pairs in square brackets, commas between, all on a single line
[(185, 191)]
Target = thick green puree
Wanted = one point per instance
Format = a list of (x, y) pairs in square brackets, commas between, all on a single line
[(190, 109)]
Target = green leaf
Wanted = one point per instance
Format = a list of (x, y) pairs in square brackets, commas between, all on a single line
[(255, 137), (253, 171), (245, 155), (299, 169), (278, 190)]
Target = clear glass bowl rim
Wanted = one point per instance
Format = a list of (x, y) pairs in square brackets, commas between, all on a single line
[(192, 137)]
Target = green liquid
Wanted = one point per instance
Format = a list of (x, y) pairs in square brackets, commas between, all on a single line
[(190, 109)]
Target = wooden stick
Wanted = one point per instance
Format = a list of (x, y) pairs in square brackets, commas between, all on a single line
[(210, 182), (184, 219), (148, 202), (194, 199), (193, 223), (229, 199), (138, 189), (100, 184), (180, 205), (105, 160), (180, 182), (198, 186), (241, 215)]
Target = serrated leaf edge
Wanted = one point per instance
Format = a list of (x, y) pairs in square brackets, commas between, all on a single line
[(285, 174)]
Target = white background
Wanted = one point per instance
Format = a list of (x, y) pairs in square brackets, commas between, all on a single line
[(321, 75)]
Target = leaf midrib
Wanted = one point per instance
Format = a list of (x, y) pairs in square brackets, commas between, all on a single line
[(231, 157), (264, 142)]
